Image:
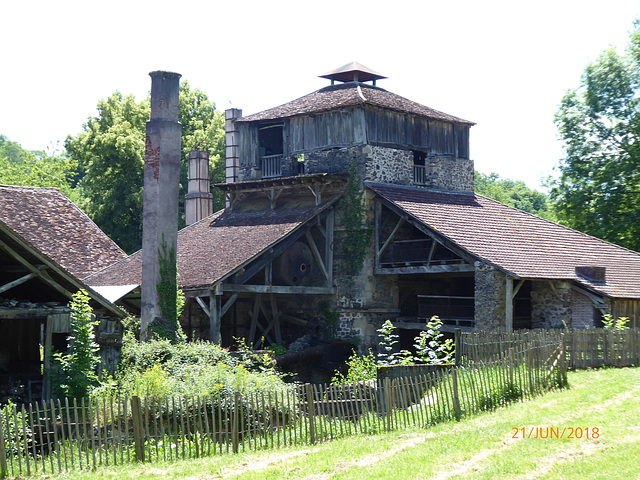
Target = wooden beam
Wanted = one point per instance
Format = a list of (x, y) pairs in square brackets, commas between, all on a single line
[(517, 289), (328, 246), (276, 319), (290, 290), (228, 304), (425, 269), (214, 318), (434, 244), (15, 283), (254, 318), (316, 254), (391, 236), (22, 313), (204, 306)]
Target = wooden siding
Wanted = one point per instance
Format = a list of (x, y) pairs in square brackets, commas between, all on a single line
[(629, 309), (334, 129), (357, 126)]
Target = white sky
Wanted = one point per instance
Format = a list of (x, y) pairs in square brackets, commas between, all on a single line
[(502, 64)]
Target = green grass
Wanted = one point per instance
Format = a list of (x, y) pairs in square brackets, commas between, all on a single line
[(479, 447)]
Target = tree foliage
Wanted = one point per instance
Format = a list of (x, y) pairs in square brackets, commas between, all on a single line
[(514, 193), (110, 156), (35, 168), (598, 189)]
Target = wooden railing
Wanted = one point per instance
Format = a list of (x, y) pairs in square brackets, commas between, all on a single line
[(271, 166), (419, 175), (53, 437)]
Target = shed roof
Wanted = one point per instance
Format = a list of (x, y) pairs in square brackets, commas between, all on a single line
[(55, 226), (350, 94), (517, 242), (216, 246)]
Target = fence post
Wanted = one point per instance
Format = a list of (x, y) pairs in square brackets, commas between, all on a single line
[(456, 398), (312, 414), (136, 415), (235, 433), (458, 346), (3, 452)]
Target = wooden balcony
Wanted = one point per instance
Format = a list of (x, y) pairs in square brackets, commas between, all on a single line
[(271, 166)]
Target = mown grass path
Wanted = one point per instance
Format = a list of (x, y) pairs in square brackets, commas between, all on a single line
[(488, 446)]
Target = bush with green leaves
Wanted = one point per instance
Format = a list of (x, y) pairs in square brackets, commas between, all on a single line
[(78, 366), (386, 350), (430, 347), (159, 367), (617, 324), (360, 369)]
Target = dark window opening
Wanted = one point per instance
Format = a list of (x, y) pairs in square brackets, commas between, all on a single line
[(419, 158), (270, 140)]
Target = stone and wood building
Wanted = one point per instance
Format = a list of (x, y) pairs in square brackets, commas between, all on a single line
[(270, 267)]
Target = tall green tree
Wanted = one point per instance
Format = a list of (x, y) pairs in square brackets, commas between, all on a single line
[(514, 193), (36, 168), (598, 189), (110, 156)]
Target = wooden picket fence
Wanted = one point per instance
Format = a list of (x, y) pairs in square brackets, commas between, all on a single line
[(63, 435), (586, 348)]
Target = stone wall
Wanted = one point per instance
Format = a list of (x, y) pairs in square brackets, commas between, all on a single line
[(389, 165), (449, 173), (490, 297), (551, 303)]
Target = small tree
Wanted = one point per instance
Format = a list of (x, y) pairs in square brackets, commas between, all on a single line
[(78, 366), (388, 338), (429, 345)]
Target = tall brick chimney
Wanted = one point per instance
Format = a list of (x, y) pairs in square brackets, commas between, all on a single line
[(161, 185), (198, 202)]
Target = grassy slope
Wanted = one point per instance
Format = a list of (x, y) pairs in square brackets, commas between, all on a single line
[(480, 448)]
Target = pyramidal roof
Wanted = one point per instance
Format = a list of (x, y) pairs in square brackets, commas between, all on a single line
[(350, 93)]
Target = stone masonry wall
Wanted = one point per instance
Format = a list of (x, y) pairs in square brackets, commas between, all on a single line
[(551, 303), (389, 165), (490, 297), (449, 173)]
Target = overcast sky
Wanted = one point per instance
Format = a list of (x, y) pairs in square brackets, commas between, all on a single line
[(503, 65)]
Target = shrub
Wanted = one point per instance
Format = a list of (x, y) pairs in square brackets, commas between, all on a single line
[(430, 348), (360, 369), (78, 366)]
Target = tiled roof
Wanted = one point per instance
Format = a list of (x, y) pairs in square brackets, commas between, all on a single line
[(518, 242), (54, 225), (215, 246), (349, 94)]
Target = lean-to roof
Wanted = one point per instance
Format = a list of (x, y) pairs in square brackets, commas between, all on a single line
[(518, 242), (216, 246)]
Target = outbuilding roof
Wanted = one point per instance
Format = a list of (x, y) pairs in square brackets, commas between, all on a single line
[(216, 246), (517, 242), (346, 95), (56, 227)]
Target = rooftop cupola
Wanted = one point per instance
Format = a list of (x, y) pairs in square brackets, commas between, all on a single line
[(353, 72)]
